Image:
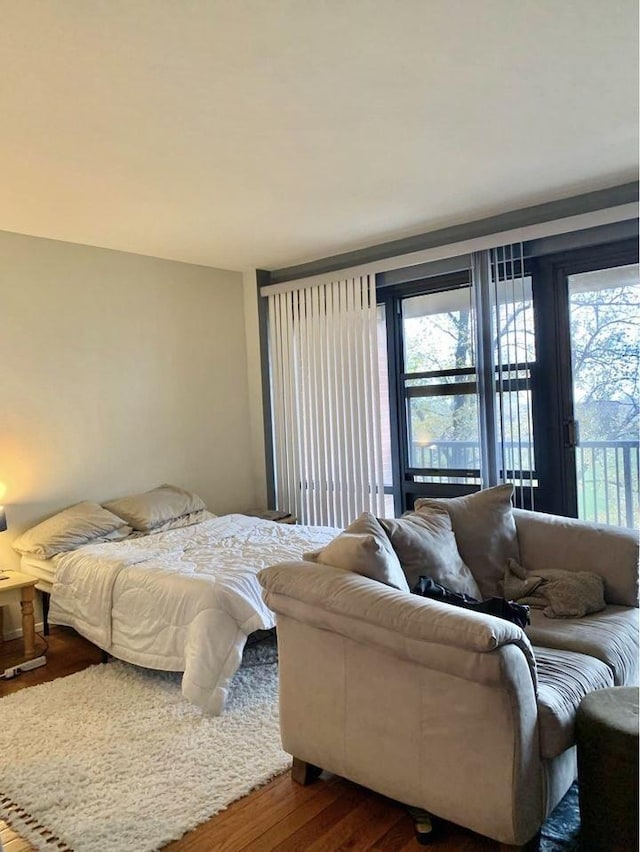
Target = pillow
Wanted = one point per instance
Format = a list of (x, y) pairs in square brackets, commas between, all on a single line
[(485, 531), (575, 595), (426, 546), (364, 549), (115, 535), (69, 529), (147, 511), (182, 521), (560, 593)]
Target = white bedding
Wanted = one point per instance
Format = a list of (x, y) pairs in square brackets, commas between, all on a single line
[(43, 569), (183, 600)]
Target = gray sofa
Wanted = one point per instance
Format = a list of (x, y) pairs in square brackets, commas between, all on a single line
[(463, 714)]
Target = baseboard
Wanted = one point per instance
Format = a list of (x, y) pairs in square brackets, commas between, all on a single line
[(17, 633)]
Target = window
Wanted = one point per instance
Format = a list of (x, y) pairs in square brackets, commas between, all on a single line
[(432, 382), (604, 330), (589, 339), (561, 341), (439, 387)]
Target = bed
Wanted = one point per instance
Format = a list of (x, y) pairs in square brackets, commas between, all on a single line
[(180, 600)]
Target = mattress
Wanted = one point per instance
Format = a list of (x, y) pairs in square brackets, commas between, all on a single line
[(182, 600), (43, 569)]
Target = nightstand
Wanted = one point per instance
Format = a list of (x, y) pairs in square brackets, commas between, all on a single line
[(19, 588)]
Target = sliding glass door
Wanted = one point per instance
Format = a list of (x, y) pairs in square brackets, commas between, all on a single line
[(591, 325), (604, 332), (557, 387)]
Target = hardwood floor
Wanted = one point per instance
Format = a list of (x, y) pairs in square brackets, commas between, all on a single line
[(329, 815)]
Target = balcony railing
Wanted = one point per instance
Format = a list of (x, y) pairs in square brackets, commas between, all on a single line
[(608, 473)]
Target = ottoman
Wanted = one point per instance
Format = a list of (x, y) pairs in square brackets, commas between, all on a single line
[(607, 741)]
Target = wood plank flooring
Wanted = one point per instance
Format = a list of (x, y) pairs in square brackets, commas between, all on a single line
[(331, 814)]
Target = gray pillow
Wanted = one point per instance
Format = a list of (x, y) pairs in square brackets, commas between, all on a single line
[(426, 546), (364, 549), (176, 523), (560, 593), (80, 524), (152, 509), (485, 531)]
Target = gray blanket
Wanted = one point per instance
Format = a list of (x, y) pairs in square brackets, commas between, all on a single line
[(560, 594)]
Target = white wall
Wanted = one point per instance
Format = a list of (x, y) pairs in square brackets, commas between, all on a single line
[(118, 372)]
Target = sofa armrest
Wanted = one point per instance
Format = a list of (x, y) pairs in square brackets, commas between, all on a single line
[(550, 541), (410, 626)]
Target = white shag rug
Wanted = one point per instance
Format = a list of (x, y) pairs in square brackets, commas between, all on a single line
[(113, 758)]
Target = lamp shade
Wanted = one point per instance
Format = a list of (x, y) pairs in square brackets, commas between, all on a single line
[(3, 519)]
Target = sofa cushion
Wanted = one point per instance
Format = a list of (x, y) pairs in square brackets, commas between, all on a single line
[(564, 678), (485, 531), (550, 541), (365, 549), (426, 546), (610, 636)]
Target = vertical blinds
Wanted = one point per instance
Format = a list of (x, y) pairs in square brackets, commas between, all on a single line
[(515, 354), (325, 401), (505, 341)]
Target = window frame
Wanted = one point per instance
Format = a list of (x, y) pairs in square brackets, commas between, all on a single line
[(405, 489), (549, 377), (553, 335)]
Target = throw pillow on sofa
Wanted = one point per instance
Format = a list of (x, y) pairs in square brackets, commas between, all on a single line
[(364, 549), (425, 545), (559, 593), (485, 531)]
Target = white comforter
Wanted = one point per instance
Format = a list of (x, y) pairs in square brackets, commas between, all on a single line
[(182, 600)]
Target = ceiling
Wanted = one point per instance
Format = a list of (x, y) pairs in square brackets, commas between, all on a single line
[(264, 133)]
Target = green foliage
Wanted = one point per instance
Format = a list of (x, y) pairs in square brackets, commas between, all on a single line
[(605, 336), (439, 342)]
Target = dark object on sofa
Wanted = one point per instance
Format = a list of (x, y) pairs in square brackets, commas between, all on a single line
[(509, 610), (607, 740)]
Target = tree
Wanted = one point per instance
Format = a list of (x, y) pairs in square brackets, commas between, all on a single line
[(436, 342), (605, 336)]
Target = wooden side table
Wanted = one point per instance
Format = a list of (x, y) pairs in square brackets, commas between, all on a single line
[(19, 588)]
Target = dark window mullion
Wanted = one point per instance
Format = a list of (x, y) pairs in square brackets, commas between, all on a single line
[(461, 389), (396, 403), (443, 471), (436, 374)]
